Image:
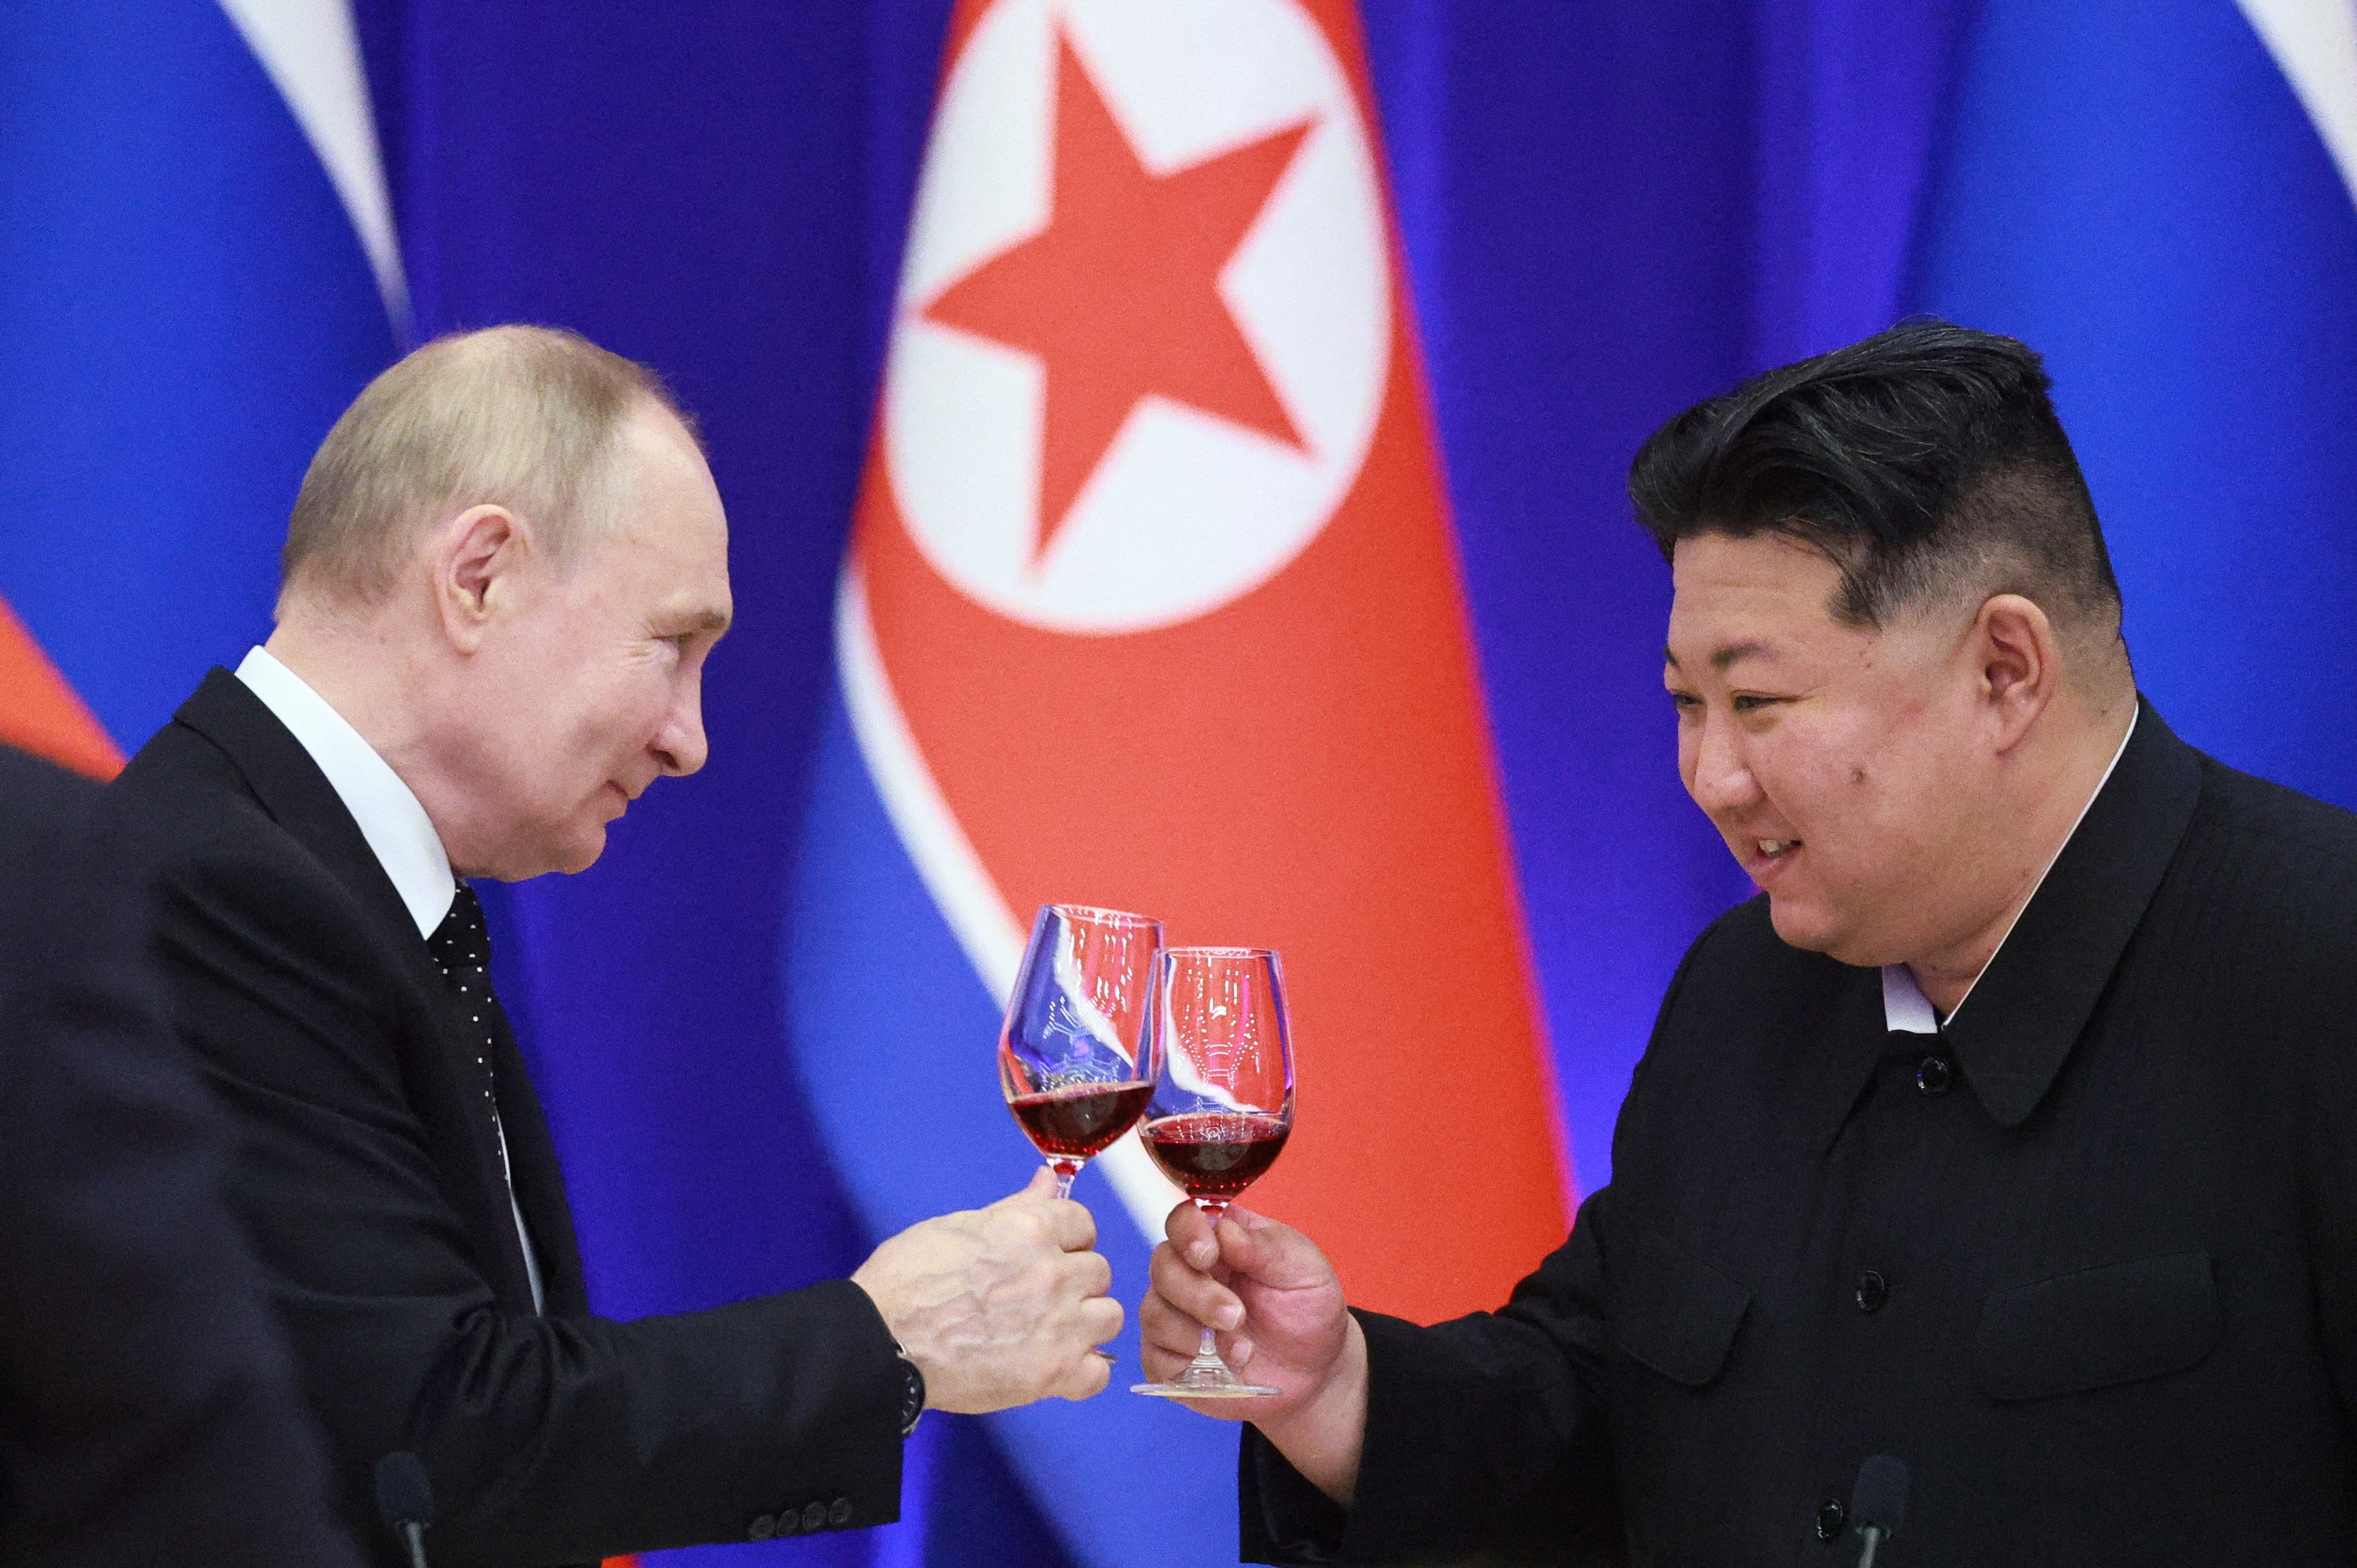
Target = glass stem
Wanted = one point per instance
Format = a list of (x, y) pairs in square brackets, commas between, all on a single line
[(1065, 1171), (1211, 1350)]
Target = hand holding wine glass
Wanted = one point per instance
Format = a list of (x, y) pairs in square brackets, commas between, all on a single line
[(1221, 1107), (1280, 1307)]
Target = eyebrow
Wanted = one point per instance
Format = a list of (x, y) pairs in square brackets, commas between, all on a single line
[(1725, 657), (700, 621)]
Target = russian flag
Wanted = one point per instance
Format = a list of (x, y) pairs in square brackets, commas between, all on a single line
[(198, 272), (2157, 194), (1152, 601)]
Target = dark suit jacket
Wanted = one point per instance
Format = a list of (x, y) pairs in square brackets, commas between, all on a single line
[(369, 1175), (2110, 1219), (148, 1413)]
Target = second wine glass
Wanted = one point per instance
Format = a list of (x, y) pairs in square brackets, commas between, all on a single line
[(1222, 1106), (1071, 1057)]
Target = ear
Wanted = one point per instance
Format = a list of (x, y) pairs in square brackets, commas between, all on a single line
[(476, 560), (2019, 664)]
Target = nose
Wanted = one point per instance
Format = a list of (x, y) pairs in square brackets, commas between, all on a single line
[(1717, 775), (682, 744)]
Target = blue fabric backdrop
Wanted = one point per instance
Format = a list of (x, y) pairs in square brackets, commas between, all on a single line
[(1608, 212)]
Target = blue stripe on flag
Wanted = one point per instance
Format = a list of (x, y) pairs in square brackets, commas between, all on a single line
[(895, 1034), (185, 310), (2134, 189)]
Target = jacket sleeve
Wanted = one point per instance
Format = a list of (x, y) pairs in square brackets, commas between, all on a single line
[(1488, 1437), (547, 1440)]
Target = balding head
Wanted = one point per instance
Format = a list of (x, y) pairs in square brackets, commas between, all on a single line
[(528, 418), (507, 567)]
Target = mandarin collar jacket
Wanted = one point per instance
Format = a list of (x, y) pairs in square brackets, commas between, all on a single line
[(2087, 1261)]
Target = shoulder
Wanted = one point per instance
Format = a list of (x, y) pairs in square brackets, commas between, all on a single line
[(227, 887), (1739, 959), (2257, 852)]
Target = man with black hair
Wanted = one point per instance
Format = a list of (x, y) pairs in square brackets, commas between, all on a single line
[(2012, 1132)]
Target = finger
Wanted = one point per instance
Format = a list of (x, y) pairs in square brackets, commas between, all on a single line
[(1088, 1274), (1069, 1225), (1041, 1184), (1271, 1253), (1086, 1378), (1198, 1296), (1162, 1327), (1100, 1319), (1191, 1234)]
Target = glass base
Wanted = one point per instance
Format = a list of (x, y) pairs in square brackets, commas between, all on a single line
[(1205, 1377)]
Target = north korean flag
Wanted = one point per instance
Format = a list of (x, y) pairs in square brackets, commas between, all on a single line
[(1152, 601)]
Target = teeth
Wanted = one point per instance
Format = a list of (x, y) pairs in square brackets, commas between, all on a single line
[(1775, 846)]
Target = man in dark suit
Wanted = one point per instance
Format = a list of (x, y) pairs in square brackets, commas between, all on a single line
[(502, 576), (147, 1407), (2011, 1133)]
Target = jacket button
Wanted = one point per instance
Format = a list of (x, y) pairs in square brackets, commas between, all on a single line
[(813, 1516), (789, 1523), (1872, 1291), (838, 1513), (1831, 1517), (1933, 1075), (763, 1528)]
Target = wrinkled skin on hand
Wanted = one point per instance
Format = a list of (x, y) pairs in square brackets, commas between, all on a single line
[(1001, 1306)]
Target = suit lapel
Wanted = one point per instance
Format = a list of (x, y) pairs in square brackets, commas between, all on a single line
[(438, 1070)]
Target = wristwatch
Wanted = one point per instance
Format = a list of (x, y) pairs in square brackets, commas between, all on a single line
[(913, 1390)]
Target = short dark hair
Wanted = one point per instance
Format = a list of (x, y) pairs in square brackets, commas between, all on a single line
[(1925, 461)]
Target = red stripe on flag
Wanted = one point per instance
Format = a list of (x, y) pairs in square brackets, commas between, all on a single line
[(1306, 767), (40, 713)]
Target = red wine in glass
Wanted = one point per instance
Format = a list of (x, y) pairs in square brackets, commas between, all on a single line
[(1213, 1156), (1081, 1122), (1071, 1059), (1222, 1105)]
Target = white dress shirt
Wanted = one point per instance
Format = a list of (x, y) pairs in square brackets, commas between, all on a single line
[(1904, 1005), (395, 826)]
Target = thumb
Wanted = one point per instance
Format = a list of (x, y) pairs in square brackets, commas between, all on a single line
[(1041, 1184), (1265, 1251)]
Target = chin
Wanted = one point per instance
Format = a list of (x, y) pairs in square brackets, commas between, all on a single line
[(581, 858), (1805, 925)]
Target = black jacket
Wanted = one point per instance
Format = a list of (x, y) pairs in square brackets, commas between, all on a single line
[(369, 1175), (2087, 1262), (148, 1413)]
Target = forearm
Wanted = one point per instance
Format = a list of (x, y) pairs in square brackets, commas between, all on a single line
[(1323, 1437)]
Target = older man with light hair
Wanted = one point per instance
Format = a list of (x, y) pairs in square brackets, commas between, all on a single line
[(502, 577)]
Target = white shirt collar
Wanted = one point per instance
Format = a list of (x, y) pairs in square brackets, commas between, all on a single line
[(390, 818), (1904, 1005)]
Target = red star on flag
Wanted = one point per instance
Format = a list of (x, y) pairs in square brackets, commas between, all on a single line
[(1118, 296)]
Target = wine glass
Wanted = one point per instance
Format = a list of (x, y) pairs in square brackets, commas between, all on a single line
[(1222, 1104), (1070, 1057)]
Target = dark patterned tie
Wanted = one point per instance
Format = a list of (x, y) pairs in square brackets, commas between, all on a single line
[(461, 944)]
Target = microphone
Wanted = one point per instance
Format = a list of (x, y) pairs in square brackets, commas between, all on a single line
[(406, 1499), (1878, 1504)]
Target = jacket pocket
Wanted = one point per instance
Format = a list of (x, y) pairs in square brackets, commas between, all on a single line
[(2096, 1327), (1677, 1315)]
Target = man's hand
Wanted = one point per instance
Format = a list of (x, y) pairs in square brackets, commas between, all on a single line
[(999, 1306), (1276, 1305)]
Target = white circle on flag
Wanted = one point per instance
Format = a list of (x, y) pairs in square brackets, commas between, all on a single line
[(1185, 511)]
